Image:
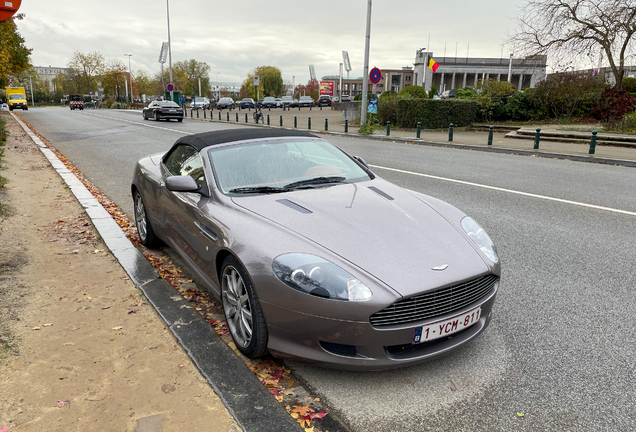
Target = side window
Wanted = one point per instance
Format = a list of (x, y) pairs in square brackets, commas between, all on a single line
[(185, 160)]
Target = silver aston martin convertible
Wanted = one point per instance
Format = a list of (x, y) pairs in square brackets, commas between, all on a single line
[(313, 256)]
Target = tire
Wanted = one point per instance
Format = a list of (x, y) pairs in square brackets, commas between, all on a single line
[(147, 235), (180, 120), (144, 115), (156, 116), (242, 310), (25, 108)]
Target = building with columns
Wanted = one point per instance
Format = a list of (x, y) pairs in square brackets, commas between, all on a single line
[(457, 72)]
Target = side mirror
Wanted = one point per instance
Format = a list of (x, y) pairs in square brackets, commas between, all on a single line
[(181, 184), (359, 159)]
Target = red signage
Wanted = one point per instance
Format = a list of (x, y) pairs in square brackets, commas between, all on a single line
[(375, 75), (8, 8), (326, 88)]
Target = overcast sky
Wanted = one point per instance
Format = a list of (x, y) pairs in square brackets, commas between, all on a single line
[(234, 37)]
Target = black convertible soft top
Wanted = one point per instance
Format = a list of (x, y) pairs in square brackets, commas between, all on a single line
[(204, 139)]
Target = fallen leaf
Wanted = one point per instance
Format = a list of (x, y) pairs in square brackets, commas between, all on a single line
[(279, 398), (319, 415), (61, 404), (89, 298), (520, 414), (311, 429), (294, 415), (117, 328), (35, 328), (4, 429), (316, 399)]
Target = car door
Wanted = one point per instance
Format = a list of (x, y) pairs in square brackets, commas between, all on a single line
[(193, 232)]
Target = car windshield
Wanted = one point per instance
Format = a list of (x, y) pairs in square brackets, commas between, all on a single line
[(168, 104), (16, 96), (305, 97), (269, 99), (287, 98), (270, 166), (247, 100), (199, 99)]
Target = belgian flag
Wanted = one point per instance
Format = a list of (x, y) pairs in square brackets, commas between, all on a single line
[(433, 65)]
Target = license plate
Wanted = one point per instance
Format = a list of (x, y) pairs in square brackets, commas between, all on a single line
[(447, 327), (172, 110)]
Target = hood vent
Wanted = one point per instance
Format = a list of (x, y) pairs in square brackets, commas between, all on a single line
[(382, 194), (293, 205)]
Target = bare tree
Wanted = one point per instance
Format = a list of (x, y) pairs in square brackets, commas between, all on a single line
[(575, 28)]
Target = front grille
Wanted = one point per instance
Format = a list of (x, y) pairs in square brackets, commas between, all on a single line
[(434, 303)]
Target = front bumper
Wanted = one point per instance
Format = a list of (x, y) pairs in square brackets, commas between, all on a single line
[(340, 344)]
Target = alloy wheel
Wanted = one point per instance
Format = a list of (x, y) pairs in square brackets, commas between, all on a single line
[(140, 217), (237, 307)]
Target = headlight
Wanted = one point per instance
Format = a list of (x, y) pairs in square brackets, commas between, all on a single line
[(481, 239), (313, 275)]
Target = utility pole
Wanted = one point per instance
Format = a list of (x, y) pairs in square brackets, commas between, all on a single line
[(510, 69), (130, 77), (31, 84), (169, 49), (365, 77)]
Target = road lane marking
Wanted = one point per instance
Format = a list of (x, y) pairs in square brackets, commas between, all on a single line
[(142, 124), (581, 204)]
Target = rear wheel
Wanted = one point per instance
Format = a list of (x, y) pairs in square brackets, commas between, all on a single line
[(144, 229), (144, 115), (242, 310), (180, 120)]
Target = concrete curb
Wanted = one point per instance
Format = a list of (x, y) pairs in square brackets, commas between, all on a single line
[(247, 400)]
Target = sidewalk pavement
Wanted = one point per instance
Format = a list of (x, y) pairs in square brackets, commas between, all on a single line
[(475, 139)]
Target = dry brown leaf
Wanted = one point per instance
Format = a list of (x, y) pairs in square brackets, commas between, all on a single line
[(35, 328), (117, 328), (48, 325)]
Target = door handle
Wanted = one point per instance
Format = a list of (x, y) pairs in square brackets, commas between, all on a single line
[(207, 232)]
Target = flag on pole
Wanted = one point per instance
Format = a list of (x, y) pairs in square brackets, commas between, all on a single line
[(433, 65)]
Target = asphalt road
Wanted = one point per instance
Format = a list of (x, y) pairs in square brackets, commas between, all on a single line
[(560, 349)]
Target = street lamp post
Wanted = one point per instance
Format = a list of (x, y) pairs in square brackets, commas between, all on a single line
[(169, 49), (130, 77), (365, 77)]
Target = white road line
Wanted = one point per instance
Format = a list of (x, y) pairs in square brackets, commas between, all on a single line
[(142, 124), (609, 209)]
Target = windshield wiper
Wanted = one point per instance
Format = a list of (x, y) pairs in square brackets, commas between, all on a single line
[(314, 181), (259, 189)]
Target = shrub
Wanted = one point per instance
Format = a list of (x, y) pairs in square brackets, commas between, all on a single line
[(613, 105), (524, 105), (432, 92), (568, 94), (466, 93), (436, 114), (387, 107), (492, 97), (629, 84), (411, 91)]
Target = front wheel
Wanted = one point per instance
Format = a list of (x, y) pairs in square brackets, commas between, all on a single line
[(144, 116), (242, 310), (156, 116), (180, 120)]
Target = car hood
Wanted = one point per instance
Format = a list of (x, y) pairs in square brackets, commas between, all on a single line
[(380, 228)]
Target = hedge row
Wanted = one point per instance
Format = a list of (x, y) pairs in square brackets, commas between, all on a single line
[(436, 114)]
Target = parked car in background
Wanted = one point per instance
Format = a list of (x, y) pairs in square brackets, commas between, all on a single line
[(346, 98), (334, 99), (294, 103), (279, 103), (226, 102), (263, 217), (306, 101), (449, 94), (260, 103), (324, 100), (163, 110), (247, 103), (200, 103), (269, 102), (287, 100)]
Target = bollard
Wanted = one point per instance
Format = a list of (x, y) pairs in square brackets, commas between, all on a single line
[(326, 124), (346, 126), (245, 117), (388, 128), (419, 129), (203, 113), (228, 116), (197, 113), (295, 122), (191, 113), (593, 142), (491, 130), (450, 133), (537, 137), (267, 119), (320, 107), (281, 121), (219, 114), (309, 123), (237, 118)]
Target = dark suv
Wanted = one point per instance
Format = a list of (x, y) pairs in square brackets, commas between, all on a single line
[(324, 100)]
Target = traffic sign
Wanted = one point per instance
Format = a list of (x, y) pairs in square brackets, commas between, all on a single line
[(257, 80), (8, 8), (170, 87), (375, 75)]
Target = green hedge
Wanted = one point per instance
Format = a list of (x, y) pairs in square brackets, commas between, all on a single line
[(436, 114)]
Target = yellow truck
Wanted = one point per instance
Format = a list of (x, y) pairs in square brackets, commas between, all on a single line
[(16, 98)]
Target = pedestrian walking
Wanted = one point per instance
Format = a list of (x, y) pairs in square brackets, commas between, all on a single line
[(182, 102)]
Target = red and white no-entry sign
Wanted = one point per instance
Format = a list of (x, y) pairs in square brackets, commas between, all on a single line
[(8, 8)]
